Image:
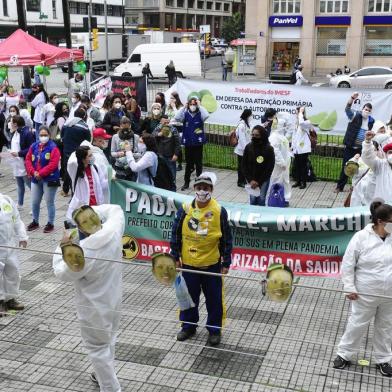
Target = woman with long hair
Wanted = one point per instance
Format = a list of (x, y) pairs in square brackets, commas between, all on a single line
[(111, 121), (243, 136), (146, 167), (42, 162), (40, 100), (172, 109), (88, 183), (12, 112)]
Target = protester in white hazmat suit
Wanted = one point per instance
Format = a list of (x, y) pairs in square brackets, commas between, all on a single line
[(278, 140), (98, 287), (12, 233), (382, 167), (367, 269)]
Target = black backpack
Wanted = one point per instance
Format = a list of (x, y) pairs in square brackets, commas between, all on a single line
[(163, 178), (293, 77)]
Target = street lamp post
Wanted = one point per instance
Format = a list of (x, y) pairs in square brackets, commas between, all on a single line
[(229, 57)]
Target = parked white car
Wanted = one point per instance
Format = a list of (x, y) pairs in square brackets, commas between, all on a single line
[(367, 77)]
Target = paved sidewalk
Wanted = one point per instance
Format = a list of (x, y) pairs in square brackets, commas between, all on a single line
[(266, 346)]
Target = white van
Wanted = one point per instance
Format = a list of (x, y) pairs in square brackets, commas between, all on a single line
[(185, 56)]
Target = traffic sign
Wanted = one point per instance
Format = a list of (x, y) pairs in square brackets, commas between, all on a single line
[(204, 29)]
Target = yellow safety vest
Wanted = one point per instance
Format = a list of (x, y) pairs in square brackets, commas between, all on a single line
[(201, 232)]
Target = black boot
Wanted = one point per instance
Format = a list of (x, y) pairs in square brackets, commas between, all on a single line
[(297, 184), (303, 185), (185, 186)]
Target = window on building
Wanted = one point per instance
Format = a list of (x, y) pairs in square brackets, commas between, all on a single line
[(209, 5), (169, 3), (200, 5), (226, 7), (54, 10), (33, 5), (191, 3), (73, 7), (98, 9), (331, 41), (333, 6), (180, 3), (286, 6), (218, 6), (378, 41), (380, 6), (5, 7), (83, 9)]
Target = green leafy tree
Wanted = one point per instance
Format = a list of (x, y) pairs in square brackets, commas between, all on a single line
[(232, 27)]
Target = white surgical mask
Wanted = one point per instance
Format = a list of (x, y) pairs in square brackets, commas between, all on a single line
[(74, 100), (55, 101), (192, 108), (141, 147), (44, 139), (12, 114), (117, 105), (389, 158), (388, 227), (156, 112), (203, 196), (91, 161), (365, 114), (105, 145)]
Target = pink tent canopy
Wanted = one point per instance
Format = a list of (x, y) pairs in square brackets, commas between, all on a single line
[(21, 48)]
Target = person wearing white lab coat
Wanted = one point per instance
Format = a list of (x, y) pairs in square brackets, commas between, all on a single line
[(367, 269), (12, 233), (98, 287), (300, 79), (89, 183), (278, 140), (243, 133), (382, 167), (301, 148)]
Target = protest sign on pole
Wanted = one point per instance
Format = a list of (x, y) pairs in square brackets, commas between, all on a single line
[(310, 241), (325, 107), (99, 89), (137, 86)]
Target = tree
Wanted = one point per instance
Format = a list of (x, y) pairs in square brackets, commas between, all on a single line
[(232, 27)]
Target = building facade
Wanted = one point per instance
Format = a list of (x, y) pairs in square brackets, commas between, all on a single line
[(185, 15), (45, 17), (325, 34)]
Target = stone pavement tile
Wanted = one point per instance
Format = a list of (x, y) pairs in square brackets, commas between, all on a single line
[(157, 341), (38, 338), (198, 382), (13, 334), (166, 377), (31, 373), (55, 377), (48, 357), (139, 354), (45, 388), (14, 386), (135, 372), (224, 385), (267, 388), (82, 383), (155, 388), (64, 342), (178, 361)]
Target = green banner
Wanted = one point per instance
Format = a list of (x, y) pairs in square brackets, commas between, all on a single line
[(310, 241)]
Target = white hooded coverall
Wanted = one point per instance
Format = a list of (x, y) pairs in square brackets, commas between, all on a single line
[(98, 289), (12, 231), (367, 268), (281, 172)]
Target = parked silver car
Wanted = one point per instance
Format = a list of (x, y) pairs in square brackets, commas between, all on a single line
[(367, 77)]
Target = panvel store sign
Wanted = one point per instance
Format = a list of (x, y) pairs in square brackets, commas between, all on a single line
[(285, 21)]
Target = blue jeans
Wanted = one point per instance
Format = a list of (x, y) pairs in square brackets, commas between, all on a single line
[(38, 190), (37, 127), (260, 200), (20, 183)]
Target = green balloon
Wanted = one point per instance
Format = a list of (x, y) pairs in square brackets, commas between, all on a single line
[(76, 67), (2, 74), (83, 67), (46, 71), (39, 69)]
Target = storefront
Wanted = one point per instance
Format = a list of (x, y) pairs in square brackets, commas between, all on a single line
[(285, 44), (245, 56)]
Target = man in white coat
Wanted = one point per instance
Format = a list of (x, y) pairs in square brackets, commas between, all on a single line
[(12, 233), (278, 140), (98, 287)]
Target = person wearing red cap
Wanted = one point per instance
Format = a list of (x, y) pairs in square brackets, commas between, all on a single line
[(382, 167)]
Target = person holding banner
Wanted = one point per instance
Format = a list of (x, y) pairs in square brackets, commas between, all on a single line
[(202, 241), (366, 269), (359, 123), (258, 163), (98, 286), (192, 116)]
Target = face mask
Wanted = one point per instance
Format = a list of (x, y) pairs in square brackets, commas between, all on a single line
[(203, 196), (256, 140), (193, 108), (388, 227), (44, 139), (12, 114), (156, 112), (365, 114), (104, 145), (117, 105), (74, 100), (141, 147), (389, 158), (55, 101), (91, 161)]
